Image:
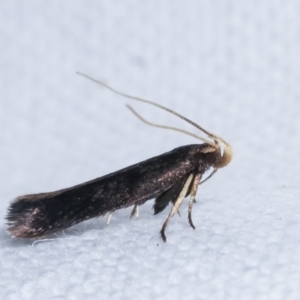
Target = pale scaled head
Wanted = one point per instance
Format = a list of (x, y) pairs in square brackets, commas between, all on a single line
[(220, 146), (224, 149)]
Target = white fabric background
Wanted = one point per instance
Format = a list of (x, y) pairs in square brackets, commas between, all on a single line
[(231, 66)]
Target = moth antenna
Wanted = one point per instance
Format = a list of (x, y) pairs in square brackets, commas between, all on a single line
[(169, 127), (227, 155), (149, 102)]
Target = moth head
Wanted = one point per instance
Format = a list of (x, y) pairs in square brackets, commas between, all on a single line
[(224, 151)]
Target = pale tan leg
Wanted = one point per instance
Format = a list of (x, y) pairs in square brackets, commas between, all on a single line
[(210, 175), (194, 189), (109, 218), (176, 205), (135, 212)]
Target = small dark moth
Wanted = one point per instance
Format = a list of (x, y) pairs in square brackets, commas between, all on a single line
[(169, 177)]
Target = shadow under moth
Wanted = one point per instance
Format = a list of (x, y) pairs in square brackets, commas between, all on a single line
[(169, 178)]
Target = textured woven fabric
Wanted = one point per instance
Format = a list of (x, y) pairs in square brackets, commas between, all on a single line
[(231, 66)]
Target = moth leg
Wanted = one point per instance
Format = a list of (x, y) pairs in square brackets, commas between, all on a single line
[(194, 189), (176, 205), (135, 212), (200, 182), (109, 218), (170, 195)]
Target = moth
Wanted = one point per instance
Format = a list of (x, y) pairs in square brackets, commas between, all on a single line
[(168, 178)]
